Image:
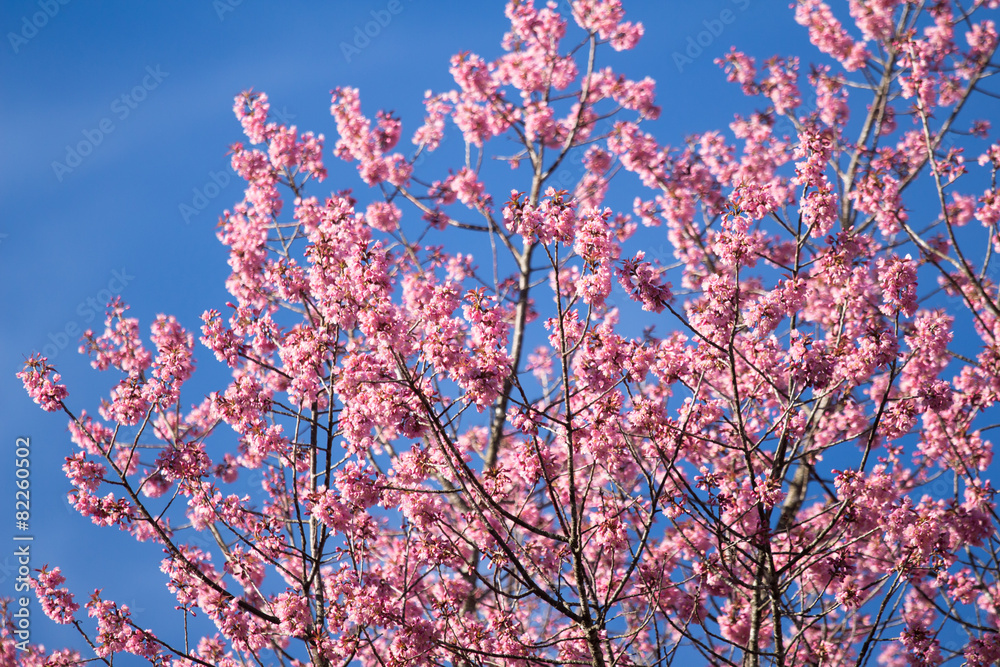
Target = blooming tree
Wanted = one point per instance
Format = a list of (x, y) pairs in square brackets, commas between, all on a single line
[(461, 454)]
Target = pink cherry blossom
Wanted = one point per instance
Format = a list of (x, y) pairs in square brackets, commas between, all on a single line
[(748, 416)]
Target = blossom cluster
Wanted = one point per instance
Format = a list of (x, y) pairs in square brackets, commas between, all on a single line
[(749, 416)]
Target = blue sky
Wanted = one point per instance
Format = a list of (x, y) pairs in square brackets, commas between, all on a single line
[(146, 91)]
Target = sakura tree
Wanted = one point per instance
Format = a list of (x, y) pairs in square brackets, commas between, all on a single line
[(464, 454)]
